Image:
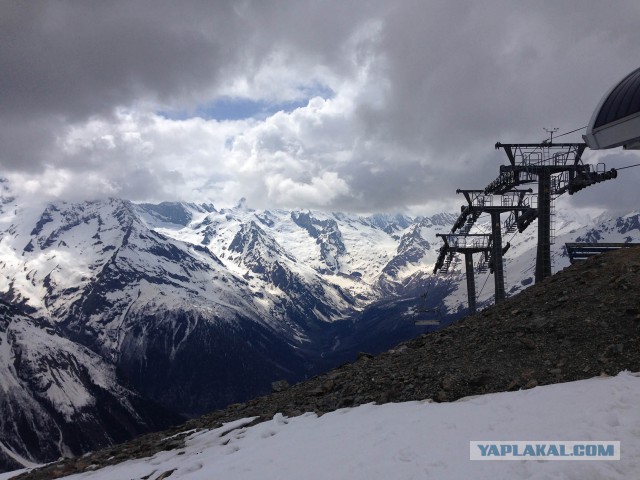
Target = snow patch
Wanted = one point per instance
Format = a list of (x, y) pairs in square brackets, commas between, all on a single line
[(413, 439)]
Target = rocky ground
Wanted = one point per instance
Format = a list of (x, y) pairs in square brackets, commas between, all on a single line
[(581, 322)]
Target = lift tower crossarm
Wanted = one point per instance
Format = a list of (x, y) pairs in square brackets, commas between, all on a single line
[(478, 198), (472, 242), (539, 145)]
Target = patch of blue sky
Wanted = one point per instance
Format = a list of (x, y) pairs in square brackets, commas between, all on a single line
[(238, 108)]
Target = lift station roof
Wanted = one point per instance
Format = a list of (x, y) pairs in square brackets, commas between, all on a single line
[(616, 120)]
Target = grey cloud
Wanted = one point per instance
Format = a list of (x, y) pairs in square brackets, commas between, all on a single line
[(83, 58), (447, 80), (25, 141), (78, 59), (490, 70), (65, 62)]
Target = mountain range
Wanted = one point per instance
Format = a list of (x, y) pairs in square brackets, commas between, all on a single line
[(143, 311)]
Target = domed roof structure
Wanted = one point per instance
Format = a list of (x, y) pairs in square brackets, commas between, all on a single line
[(616, 120)]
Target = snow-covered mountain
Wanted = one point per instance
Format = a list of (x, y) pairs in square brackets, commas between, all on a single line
[(200, 307), (59, 398)]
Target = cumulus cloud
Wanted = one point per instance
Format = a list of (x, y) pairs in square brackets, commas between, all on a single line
[(386, 105)]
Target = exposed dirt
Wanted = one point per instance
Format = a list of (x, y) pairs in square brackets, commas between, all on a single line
[(580, 323)]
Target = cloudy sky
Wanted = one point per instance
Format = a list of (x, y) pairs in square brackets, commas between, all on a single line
[(367, 105)]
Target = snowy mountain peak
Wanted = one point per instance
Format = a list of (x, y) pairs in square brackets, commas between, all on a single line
[(624, 227), (327, 234), (256, 248), (441, 219), (242, 205), (169, 212), (176, 213), (390, 223)]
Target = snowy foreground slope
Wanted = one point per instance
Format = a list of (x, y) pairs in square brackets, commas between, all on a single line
[(414, 440)]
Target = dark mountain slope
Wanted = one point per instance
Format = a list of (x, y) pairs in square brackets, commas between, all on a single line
[(58, 398)]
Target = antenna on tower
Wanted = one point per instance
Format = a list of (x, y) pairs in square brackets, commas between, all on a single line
[(551, 131)]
